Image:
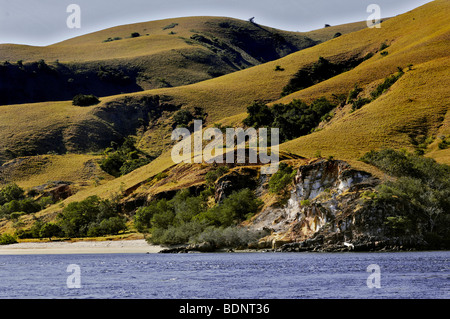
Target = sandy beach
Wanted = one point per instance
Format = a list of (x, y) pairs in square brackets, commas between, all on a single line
[(80, 247)]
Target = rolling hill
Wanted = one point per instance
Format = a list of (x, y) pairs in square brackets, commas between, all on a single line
[(411, 114), (164, 53)]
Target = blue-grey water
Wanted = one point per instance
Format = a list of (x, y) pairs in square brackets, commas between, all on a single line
[(421, 275)]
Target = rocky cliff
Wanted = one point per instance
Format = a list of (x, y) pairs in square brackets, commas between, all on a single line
[(327, 211)]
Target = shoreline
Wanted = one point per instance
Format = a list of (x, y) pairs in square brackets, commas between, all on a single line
[(133, 246), (139, 246)]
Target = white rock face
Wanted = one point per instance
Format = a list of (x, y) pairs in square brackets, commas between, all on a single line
[(318, 186)]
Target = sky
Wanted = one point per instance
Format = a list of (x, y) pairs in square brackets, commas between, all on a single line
[(43, 22)]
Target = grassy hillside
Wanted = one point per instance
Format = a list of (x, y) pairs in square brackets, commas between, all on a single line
[(412, 113), (159, 36), (405, 116), (164, 53), (231, 94), (79, 169)]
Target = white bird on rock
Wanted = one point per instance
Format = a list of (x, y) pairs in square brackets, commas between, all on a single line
[(349, 245)]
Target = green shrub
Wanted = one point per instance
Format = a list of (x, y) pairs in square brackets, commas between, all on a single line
[(124, 159), (319, 71), (132, 165), (279, 181), (112, 164), (235, 208), (399, 225), (359, 103), (388, 82), (24, 206), (50, 230), (115, 76), (85, 100), (383, 46), (11, 192), (368, 56), (422, 188), (212, 176), (45, 201), (185, 216), (14, 203), (327, 117), (170, 26), (182, 118), (353, 94), (135, 35), (161, 176), (443, 144), (305, 202), (174, 235), (84, 218), (143, 217), (16, 215), (7, 239), (259, 115), (109, 226), (293, 120), (112, 39), (297, 118)]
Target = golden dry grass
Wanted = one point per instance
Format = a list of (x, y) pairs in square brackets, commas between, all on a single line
[(80, 169), (23, 124), (417, 101), (154, 39), (416, 37), (229, 95)]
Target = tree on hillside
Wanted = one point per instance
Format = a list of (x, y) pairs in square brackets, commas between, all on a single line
[(85, 100)]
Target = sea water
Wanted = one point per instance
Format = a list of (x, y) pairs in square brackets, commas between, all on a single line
[(423, 275)]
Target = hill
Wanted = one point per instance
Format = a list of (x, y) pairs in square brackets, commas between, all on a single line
[(230, 94), (411, 113), (164, 53)]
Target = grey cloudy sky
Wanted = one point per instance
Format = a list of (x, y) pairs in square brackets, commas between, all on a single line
[(43, 22)]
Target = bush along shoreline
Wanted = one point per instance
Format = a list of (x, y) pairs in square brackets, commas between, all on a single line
[(410, 210)]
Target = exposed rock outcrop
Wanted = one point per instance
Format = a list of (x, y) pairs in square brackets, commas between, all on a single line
[(57, 190), (327, 211)]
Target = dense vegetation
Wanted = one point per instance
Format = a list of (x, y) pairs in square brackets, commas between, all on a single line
[(212, 176), (279, 181), (420, 193), (320, 71), (14, 202), (85, 100), (358, 101), (40, 81), (187, 218), (294, 119), (185, 118), (121, 160), (444, 143), (90, 217), (7, 239)]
